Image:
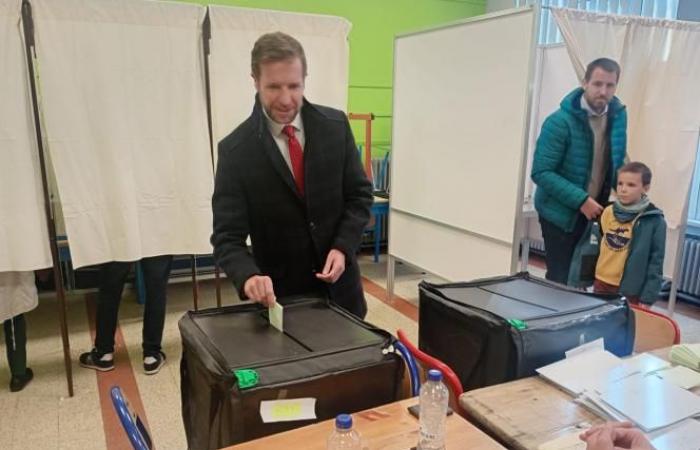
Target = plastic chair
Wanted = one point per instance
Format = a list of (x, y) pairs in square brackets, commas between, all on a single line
[(133, 426), (653, 330), (429, 362)]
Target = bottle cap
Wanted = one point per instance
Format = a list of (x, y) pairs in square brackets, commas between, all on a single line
[(434, 375), (343, 421)]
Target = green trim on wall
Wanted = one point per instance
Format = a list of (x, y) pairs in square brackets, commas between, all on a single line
[(374, 25)]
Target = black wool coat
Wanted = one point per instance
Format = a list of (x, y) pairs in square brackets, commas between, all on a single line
[(291, 236)]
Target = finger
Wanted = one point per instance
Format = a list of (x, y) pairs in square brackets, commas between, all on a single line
[(338, 270), (324, 277), (328, 265), (255, 291), (269, 292)]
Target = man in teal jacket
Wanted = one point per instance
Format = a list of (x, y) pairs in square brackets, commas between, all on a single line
[(578, 152)]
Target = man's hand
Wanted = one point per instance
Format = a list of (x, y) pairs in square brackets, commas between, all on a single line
[(591, 209), (614, 436), (258, 288), (334, 268)]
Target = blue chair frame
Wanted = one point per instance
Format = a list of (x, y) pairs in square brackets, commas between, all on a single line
[(133, 426)]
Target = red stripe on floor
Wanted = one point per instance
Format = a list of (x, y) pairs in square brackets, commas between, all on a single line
[(122, 376), (400, 304)]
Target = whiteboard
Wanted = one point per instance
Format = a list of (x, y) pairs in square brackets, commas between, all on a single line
[(460, 129)]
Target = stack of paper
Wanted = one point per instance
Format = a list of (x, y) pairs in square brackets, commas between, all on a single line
[(681, 377), (650, 402), (595, 370), (686, 355)]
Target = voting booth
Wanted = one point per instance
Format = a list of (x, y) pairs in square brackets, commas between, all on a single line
[(499, 329), (242, 379)]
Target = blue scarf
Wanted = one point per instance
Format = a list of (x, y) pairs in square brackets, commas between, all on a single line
[(627, 213)]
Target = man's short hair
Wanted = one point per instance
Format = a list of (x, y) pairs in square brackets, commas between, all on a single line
[(274, 47), (606, 64), (640, 168)]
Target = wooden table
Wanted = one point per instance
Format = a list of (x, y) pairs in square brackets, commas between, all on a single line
[(526, 413), (388, 427)]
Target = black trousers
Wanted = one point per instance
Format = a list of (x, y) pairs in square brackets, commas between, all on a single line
[(113, 275), (559, 248), (16, 344)]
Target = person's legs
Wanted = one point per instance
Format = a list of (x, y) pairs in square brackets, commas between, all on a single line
[(559, 248), (16, 346), (156, 271), (112, 278)]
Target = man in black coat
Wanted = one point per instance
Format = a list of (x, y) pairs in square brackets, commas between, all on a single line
[(291, 178)]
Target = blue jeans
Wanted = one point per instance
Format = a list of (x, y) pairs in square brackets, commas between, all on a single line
[(113, 275)]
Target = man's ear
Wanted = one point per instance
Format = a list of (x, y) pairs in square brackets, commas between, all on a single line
[(646, 187)]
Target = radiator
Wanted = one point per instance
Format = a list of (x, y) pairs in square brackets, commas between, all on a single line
[(690, 268)]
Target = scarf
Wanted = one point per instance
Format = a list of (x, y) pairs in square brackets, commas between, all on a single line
[(627, 213)]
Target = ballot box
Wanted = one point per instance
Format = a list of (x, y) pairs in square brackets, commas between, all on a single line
[(242, 379), (499, 329)]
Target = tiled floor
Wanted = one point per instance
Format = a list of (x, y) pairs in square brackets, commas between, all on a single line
[(43, 417)]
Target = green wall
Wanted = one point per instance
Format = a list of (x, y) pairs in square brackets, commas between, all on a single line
[(374, 25)]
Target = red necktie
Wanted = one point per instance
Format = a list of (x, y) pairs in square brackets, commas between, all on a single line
[(296, 156)]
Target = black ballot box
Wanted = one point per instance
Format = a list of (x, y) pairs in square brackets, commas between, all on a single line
[(499, 329), (233, 359)]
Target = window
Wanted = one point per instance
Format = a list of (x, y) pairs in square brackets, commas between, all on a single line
[(549, 33)]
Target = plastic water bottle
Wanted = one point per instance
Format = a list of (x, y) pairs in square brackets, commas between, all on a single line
[(434, 397), (344, 437)]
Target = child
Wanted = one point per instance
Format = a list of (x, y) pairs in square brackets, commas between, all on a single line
[(633, 240)]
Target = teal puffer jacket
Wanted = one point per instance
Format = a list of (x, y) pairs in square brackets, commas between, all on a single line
[(563, 156)]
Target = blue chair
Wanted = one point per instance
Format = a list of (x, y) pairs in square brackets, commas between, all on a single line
[(135, 429)]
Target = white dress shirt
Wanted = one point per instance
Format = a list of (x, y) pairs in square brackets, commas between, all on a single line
[(281, 139)]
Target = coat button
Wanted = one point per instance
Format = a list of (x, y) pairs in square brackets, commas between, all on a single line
[(312, 226)]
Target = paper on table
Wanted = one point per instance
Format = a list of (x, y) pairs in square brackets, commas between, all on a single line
[(681, 377), (598, 344), (682, 436), (277, 316), (595, 370), (589, 370), (288, 410), (651, 402)]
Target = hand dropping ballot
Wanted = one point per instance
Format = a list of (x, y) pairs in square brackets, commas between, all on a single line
[(276, 314)]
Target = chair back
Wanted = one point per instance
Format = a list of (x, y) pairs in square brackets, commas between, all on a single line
[(653, 330), (429, 362)]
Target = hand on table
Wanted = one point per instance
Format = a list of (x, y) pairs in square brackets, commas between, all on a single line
[(615, 436)]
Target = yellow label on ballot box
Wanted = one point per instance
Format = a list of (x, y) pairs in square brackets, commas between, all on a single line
[(288, 410)]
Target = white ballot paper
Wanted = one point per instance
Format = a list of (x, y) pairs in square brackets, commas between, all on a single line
[(277, 316)]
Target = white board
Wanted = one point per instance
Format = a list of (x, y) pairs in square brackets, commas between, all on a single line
[(460, 130)]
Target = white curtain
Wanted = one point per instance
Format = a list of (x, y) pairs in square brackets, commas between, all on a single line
[(18, 294), (235, 30), (122, 93), (660, 85), (24, 241)]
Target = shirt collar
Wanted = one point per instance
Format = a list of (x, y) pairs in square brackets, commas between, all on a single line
[(276, 128), (586, 107)]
